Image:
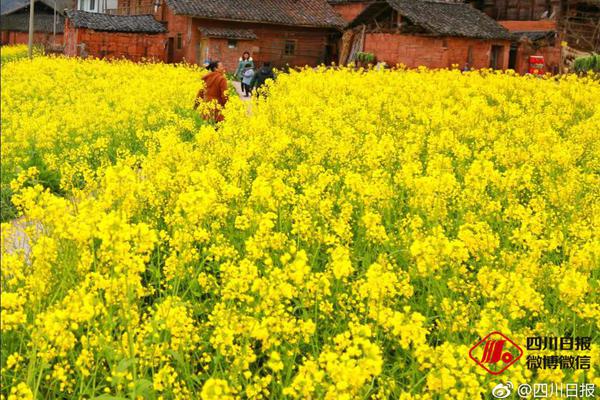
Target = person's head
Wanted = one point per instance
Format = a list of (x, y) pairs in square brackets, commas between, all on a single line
[(246, 55), (267, 64), (215, 66), (248, 65)]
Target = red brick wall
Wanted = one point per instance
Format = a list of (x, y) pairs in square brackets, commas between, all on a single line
[(177, 24), (269, 46), (12, 37), (133, 46), (349, 11), (310, 42), (552, 57), (552, 54), (542, 25), (432, 52)]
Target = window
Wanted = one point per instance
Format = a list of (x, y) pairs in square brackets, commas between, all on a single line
[(92, 5), (290, 48), (232, 43), (179, 41)]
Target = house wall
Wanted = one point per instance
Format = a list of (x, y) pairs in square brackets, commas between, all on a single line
[(133, 46), (269, 46), (310, 45), (349, 11), (521, 9), (96, 5), (552, 57), (531, 26), (433, 52), (551, 54), (42, 38)]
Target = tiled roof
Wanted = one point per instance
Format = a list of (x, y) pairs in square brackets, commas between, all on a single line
[(224, 33), (115, 23), (347, 1), (309, 13), (41, 23), (532, 35), (440, 18), (11, 6)]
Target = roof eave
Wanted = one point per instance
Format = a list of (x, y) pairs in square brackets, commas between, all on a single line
[(337, 27)]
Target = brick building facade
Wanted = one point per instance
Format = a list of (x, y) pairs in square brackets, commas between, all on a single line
[(534, 38), (282, 34), (429, 33), (294, 32), (98, 35)]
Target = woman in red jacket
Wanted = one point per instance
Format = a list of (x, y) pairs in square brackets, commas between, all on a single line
[(214, 92)]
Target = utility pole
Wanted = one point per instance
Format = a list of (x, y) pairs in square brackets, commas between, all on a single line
[(54, 25), (30, 49)]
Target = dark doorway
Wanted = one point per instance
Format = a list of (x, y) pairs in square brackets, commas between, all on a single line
[(512, 57), (170, 50), (496, 60), (332, 49)]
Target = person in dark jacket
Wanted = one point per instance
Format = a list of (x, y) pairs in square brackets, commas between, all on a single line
[(214, 92), (261, 76)]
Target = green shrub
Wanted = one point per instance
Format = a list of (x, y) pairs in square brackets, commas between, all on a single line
[(586, 64)]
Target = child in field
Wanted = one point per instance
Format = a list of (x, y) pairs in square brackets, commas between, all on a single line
[(247, 76)]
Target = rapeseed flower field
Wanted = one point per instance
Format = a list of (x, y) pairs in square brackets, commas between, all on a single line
[(349, 238), (16, 52)]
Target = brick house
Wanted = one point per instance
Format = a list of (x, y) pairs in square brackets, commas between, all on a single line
[(430, 33), (294, 32), (533, 38), (48, 24), (538, 26), (134, 37)]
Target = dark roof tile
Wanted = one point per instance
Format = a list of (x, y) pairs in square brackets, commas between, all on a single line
[(309, 13), (115, 23), (11, 6), (532, 35), (41, 23), (442, 18), (225, 33)]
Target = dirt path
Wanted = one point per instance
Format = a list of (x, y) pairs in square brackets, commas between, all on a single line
[(18, 238), (238, 87)]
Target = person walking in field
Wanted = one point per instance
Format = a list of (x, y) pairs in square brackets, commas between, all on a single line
[(244, 59), (247, 77), (260, 77), (214, 92)]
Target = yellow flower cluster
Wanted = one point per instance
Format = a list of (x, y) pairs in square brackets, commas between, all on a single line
[(16, 52), (349, 236)]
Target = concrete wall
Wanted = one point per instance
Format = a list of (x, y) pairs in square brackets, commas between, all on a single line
[(433, 52)]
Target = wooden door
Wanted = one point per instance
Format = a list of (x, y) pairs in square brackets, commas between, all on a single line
[(171, 50)]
